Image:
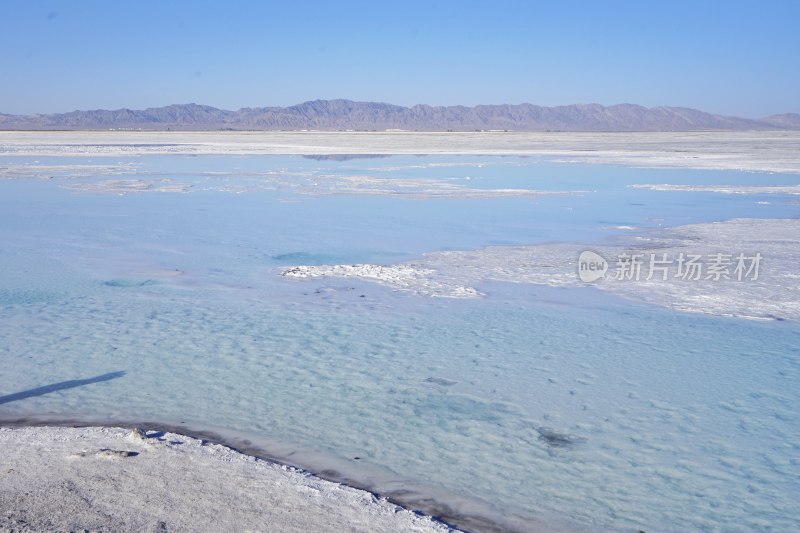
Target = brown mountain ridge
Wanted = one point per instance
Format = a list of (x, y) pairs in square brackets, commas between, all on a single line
[(336, 115)]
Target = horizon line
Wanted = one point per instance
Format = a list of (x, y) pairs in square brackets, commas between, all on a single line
[(576, 104)]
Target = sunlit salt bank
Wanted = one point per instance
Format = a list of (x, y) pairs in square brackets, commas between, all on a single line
[(93, 477)]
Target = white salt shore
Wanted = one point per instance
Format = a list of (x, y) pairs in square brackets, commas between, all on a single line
[(722, 189), (114, 479), (769, 151)]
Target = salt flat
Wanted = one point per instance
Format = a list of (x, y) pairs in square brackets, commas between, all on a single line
[(105, 478), (775, 151)]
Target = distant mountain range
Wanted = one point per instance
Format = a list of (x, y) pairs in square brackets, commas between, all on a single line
[(349, 115)]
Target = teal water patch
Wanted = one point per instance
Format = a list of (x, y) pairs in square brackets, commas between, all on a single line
[(28, 296), (127, 283), (316, 258)]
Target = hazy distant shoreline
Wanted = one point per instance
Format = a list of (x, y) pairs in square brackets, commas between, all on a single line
[(765, 151)]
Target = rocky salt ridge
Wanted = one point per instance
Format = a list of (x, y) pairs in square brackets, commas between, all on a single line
[(113, 479), (775, 294)]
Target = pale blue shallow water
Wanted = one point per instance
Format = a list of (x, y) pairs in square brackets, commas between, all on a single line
[(657, 420)]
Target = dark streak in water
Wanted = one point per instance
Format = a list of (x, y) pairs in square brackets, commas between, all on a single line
[(441, 381), (558, 440), (55, 387)]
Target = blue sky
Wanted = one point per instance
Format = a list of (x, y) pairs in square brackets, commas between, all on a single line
[(729, 57)]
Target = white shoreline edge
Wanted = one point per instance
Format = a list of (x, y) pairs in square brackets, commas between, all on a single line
[(111, 478)]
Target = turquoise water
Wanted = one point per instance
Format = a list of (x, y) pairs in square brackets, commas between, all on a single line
[(534, 408)]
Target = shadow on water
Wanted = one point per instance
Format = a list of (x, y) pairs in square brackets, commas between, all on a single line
[(54, 387)]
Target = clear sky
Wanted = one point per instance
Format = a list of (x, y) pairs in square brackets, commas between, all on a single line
[(728, 56)]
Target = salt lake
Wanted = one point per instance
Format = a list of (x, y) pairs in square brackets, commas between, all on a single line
[(150, 288)]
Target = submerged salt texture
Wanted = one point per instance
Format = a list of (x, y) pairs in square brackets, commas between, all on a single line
[(550, 406)]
